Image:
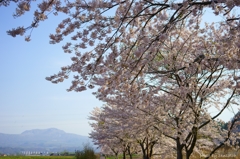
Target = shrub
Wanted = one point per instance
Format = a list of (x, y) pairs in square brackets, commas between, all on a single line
[(86, 153)]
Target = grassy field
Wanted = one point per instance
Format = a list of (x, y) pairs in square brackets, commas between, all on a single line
[(127, 157), (223, 153), (37, 157)]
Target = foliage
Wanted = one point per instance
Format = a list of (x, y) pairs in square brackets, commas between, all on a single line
[(66, 153), (86, 153)]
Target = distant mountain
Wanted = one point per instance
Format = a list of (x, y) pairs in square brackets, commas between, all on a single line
[(52, 140)]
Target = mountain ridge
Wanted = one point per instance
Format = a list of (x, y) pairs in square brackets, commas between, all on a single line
[(51, 139)]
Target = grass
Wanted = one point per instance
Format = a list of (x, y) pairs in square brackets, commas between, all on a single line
[(37, 157), (223, 153), (127, 157)]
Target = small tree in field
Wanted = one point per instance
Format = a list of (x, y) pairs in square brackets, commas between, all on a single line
[(86, 153)]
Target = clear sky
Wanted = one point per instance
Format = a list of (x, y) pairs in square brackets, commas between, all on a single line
[(27, 100)]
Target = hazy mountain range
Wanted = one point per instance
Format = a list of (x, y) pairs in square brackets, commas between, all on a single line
[(50, 140)]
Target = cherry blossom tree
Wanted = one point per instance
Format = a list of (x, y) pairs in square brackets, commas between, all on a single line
[(103, 135), (105, 26), (194, 87), (158, 53), (132, 131), (109, 131), (191, 82)]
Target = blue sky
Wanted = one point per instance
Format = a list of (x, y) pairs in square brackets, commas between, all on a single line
[(27, 100)]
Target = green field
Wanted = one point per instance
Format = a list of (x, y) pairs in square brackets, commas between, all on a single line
[(37, 157)]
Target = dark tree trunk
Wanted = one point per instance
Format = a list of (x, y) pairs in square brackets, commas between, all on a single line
[(116, 155), (130, 155), (143, 150), (124, 154), (129, 151), (193, 143), (146, 154), (179, 149)]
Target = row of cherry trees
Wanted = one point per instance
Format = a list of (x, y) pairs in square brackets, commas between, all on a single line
[(157, 67), (166, 109)]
